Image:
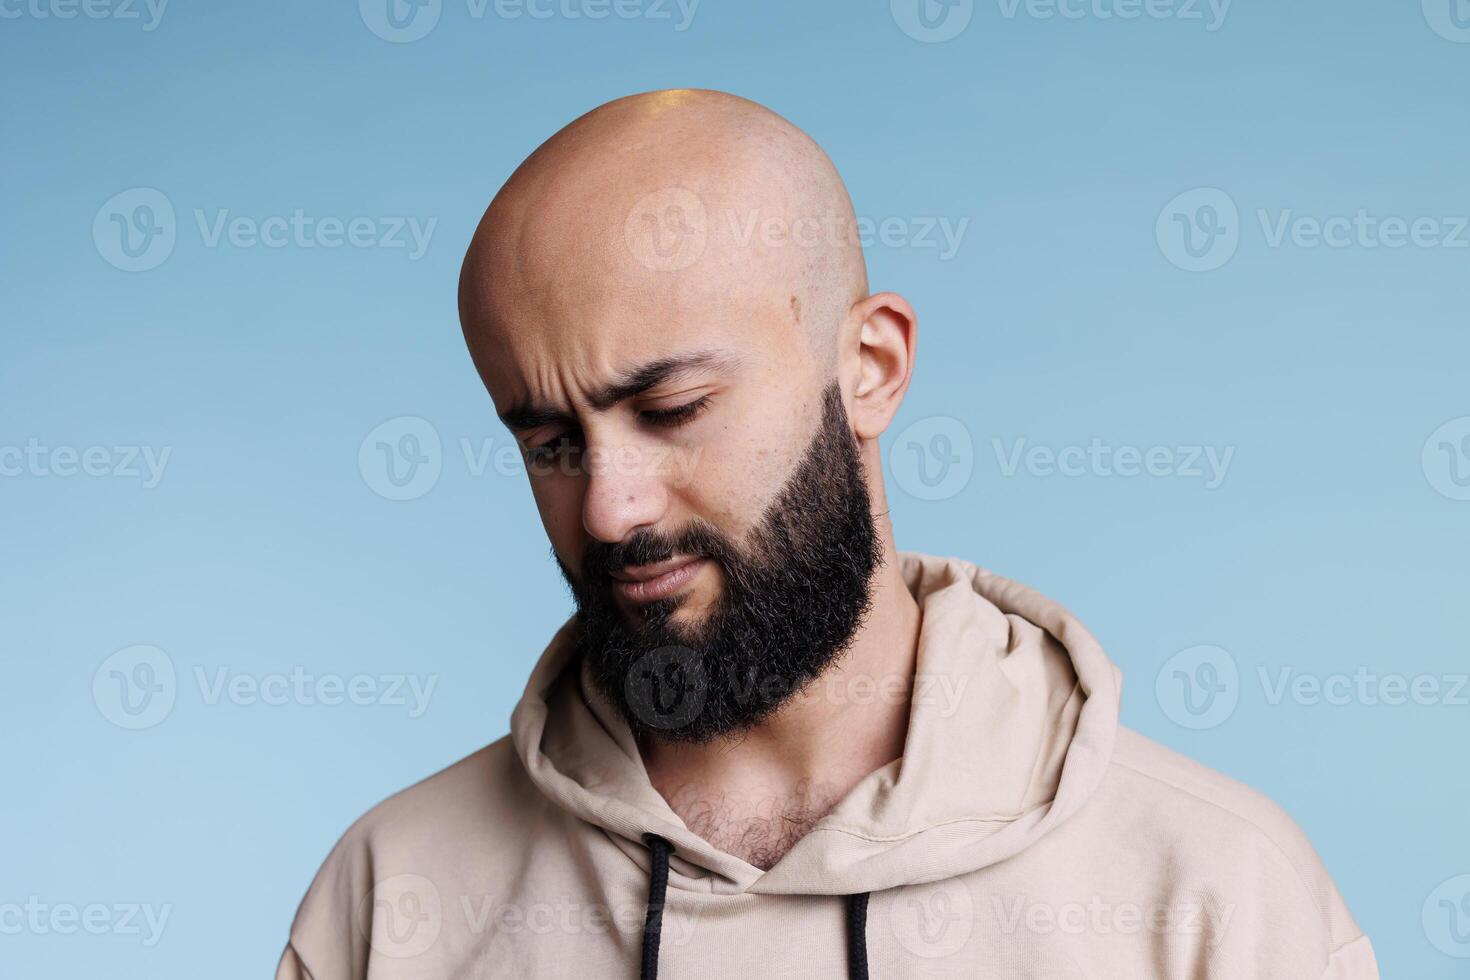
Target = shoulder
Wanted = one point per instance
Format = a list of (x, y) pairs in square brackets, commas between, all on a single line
[(489, 784), (476, 810), (1211, 827), (1218, 802), (479, 801)]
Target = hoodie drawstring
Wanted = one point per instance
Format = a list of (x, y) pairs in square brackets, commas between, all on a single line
[(653, 920), (857, 936)]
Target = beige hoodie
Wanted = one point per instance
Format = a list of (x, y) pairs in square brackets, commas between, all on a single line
[(1024, 834)]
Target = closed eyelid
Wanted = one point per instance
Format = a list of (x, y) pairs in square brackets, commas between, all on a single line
[(674, 399), (530, 414), (567, 432)]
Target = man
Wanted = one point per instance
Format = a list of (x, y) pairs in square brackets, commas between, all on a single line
[(767, 743)]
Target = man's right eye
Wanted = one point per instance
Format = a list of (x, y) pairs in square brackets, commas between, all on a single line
[(563, 444)]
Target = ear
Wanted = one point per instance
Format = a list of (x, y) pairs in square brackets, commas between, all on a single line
[(887, 337)]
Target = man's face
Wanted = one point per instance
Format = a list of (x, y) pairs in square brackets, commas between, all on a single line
[(700, 485)]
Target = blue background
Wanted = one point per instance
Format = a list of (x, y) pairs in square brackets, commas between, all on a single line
[(1061, 319)]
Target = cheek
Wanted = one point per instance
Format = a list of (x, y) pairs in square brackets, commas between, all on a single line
[(559, 502), (735, 477)]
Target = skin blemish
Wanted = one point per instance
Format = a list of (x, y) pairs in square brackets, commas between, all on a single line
[(796, 309)]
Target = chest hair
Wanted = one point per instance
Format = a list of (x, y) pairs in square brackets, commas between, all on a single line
[(759, 832)]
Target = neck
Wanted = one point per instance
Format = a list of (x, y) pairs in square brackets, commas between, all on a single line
[(756, 796)]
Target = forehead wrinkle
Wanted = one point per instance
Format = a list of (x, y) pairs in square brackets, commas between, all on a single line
[(640, 379)]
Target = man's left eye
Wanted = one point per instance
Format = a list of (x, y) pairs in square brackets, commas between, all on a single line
[(677, 416)]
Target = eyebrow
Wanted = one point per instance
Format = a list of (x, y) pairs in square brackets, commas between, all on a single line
[(635, 381)]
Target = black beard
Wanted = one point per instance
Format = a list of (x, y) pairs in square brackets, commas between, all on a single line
[(793, 599)]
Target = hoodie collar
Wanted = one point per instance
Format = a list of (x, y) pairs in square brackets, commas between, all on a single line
[(1011, 725)]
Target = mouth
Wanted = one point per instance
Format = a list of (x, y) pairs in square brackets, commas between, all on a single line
[(645, 583)]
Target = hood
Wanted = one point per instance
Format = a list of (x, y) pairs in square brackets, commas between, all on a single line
[(1011, 727)]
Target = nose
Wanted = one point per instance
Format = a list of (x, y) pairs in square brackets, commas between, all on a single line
[(624, 493)]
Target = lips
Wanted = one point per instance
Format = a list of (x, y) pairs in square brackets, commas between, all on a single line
[(645, 583)]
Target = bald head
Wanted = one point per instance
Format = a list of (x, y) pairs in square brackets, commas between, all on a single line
[(680, 204)]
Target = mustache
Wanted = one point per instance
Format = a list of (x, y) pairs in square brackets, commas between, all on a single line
[(648, 546)]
